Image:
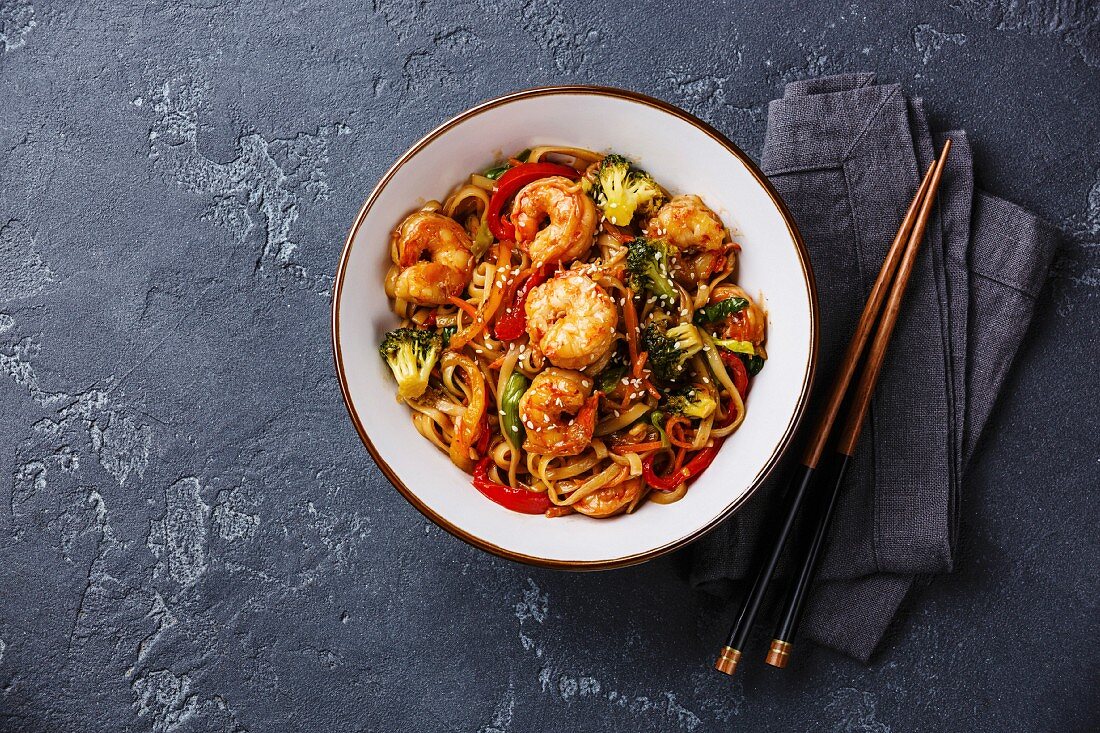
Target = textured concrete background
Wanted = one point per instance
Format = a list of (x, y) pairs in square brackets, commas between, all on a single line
[(192, 537)]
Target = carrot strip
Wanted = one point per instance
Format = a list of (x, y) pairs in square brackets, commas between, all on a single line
[(673, 427), (466, 307), (678, 461), (639, 365), (621, 405)]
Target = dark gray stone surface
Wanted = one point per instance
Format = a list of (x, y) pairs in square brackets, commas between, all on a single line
[(192, 537)]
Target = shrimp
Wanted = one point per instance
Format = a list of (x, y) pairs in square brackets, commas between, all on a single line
[(559, 412), (449, 265), (691, 227), (572, 216), (686, 222), (612, 499), (748, 324), (572, 320)]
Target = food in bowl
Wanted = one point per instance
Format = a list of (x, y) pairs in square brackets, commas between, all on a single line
[(572, 332)]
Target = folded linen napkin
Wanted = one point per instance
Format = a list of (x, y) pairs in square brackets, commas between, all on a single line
[(847, 155)]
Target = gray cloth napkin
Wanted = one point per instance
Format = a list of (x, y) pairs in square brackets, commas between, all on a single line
[(847, 155)]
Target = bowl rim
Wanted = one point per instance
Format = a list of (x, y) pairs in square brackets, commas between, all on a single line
[(804, 260)]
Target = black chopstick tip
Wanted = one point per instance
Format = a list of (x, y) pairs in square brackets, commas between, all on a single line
[(779, 653), (727, 660)]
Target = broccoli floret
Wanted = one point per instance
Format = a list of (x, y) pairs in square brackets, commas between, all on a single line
[(647, 265), (669, 350), (411, 354), (690, 402), (620, 190)]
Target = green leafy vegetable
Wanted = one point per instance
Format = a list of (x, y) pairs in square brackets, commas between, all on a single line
[(753, 364), (658, 419), (497, 171), (736, 345), (609, 378), (482, 240), (721, 309)]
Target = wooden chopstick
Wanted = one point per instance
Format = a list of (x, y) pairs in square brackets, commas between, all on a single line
[(779, 652), (803, 477), (815, 448)]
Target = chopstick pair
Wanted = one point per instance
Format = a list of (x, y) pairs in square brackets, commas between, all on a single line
[(808, 478)]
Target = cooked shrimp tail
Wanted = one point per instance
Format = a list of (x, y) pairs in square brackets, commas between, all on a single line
[(433, 258), (572, 320), (555, 221)]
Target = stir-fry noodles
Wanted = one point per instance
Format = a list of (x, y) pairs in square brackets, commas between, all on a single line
[(572, 333)]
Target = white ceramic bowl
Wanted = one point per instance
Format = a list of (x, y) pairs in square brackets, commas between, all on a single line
[(686, 156)]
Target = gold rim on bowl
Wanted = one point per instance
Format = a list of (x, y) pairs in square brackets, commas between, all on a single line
[(781, 446)]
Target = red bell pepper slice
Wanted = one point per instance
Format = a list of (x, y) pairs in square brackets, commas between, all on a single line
[(693, 468), (737, 369), (518, 500), (513, 321), (510, 183)]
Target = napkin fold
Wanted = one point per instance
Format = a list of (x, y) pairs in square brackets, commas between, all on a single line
[(847, 155)]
